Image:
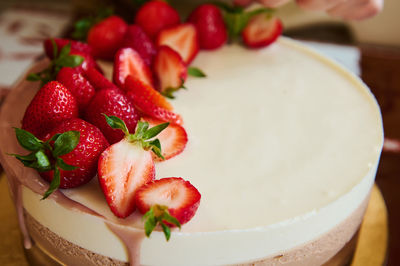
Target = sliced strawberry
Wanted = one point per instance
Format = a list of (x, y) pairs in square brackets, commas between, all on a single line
[(122, 169), (156, 15), (149, 101), (167, 200), (106, 37), (146, 93), (210, 26), (173, 139), (170, 70), (60, 43), (182, 38), (127, 165), (128, 62), (98, 80), (261, 31), (78, 85), (137, 39)]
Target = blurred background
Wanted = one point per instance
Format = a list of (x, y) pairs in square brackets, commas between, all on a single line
[(369, 48)]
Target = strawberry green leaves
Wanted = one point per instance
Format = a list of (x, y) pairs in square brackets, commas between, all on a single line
[(45, 157), (196, 72), (61, 59), (236, 17), (82, 26), (159, 215), (143, 134)]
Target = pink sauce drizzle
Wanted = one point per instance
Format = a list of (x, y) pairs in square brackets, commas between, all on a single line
[(132, 240), (19, 176)]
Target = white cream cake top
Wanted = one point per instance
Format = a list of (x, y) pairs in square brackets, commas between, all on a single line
[(273, 134), (283, 146)]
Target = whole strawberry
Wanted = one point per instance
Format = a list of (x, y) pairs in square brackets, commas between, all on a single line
[(77, 84), (106, 37), (88, 61), (112, 103), (68, 155), (156, 15), (137, 39), (84, 156), (210, 26), (52, 104), (60, 43)]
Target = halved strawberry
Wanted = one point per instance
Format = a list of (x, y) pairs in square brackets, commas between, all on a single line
[(170, 70), (98, 81), (183, 39), (127, 165), (173, 139), (149, 101), (261, 31), (168, 202), (129, 62)]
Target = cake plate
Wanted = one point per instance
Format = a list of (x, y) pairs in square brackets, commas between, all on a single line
[(370, 251)]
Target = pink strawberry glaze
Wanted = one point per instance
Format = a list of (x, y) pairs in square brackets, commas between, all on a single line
[(11, 113)]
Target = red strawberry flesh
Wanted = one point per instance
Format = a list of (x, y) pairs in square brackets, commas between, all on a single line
[(98, 80), (170, 69), (146, 98), (181, 38), (180, 196), (128, 62), (261, 31), (173, 139), (122, 169)]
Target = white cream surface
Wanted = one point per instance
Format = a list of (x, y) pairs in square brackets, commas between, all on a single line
[(283, 146)]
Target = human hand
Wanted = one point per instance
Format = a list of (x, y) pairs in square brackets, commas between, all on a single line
[(346, 9)]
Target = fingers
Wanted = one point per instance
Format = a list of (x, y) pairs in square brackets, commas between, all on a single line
[(242, 2), (319, 5), (267, 3), (356, 9), (273, 3), (346, 9)]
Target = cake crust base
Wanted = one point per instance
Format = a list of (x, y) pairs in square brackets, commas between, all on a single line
[(335, 248)]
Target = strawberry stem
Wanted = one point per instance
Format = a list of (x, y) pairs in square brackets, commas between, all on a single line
[(60, 60), (43, 154), (143, 134), (158, 215), (236, 17)]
